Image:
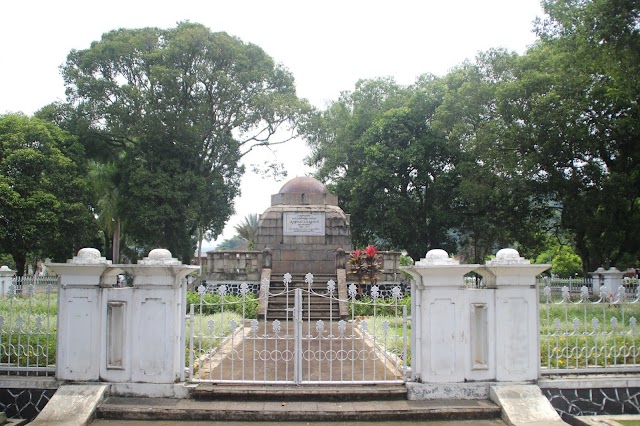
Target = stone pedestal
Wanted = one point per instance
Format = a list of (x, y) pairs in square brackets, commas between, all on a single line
[(303, 227)]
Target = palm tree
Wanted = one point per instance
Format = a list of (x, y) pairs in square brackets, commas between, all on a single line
[(102, 178), (248, 230)]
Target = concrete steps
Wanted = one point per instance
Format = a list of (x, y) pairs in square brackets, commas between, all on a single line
[(314, 307), (271, 404)]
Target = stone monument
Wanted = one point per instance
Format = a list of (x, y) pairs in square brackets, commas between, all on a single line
[(304, 226)]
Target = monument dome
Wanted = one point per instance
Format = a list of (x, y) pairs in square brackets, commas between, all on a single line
[(304, 190), (303, 185)]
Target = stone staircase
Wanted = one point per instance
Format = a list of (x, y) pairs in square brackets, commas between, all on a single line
[(313, 307), (299, 404)]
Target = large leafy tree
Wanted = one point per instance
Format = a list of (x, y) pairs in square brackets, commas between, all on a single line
[(44, 191), (580, 90), (336, 138), (391, 170), (499, 202), (179, 107)]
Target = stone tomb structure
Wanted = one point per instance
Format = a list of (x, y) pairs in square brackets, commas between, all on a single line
[(303, 228)]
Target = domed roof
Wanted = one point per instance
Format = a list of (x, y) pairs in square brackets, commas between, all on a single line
[(303, 185)]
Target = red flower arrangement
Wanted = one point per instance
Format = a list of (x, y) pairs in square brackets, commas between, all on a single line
[(365, 265)]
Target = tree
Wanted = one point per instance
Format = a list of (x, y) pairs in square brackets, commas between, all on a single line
[(581, 91), (247, 230), (337, 140), (499, 202), (180, 107), (102, 177), (235, 243), (44, 191)]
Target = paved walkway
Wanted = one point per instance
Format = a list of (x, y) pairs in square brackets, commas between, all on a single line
[(327, 355)]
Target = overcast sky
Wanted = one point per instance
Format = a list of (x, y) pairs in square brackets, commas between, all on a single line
[(328, 45)]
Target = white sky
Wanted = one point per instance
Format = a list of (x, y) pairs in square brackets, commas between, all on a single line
[(328, 45)]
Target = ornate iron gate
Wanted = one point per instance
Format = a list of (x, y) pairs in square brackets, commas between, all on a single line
[(229, 344)]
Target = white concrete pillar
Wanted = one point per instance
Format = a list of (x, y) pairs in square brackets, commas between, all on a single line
[(145, 332), (613, 281), (597, 280), (79, 315), (6, 276), (440, 338), (517, 333)]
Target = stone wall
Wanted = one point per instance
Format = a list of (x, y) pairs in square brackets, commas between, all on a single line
[(24, 403), (299, 254), (234, 265), (591, 402), (592, 395)]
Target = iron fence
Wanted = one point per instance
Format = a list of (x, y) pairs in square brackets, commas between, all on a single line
[(307, 342), (574, 284), (28, 321), (580, 333)]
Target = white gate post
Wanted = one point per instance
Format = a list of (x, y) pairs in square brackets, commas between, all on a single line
[(154, 320), (6, 275), (612, 280), (438, 354), (79, 315), (517, 341), (597, 280)]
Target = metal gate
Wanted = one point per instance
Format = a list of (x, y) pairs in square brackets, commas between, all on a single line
[(233, 339)]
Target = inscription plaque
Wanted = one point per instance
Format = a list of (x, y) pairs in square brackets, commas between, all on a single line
[(303, 223)]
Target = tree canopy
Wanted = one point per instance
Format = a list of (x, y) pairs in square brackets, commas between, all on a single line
[(176, 110), (503, 151), (45, 208)]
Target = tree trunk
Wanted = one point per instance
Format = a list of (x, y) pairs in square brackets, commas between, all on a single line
[(116, 242), (21, 260)]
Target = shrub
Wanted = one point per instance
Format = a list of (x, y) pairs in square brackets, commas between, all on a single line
[(212, 303)]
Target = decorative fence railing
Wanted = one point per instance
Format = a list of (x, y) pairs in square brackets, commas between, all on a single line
[(28, 317), (583, 334), (385, 290), (228, 343), (573, 284), (233, 287)]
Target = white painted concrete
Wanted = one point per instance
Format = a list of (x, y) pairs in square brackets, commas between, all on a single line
[(524, 405), (72, 405), (466, 334), (112, 334)]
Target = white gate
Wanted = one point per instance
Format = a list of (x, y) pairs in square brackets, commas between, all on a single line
[(229, 344)]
